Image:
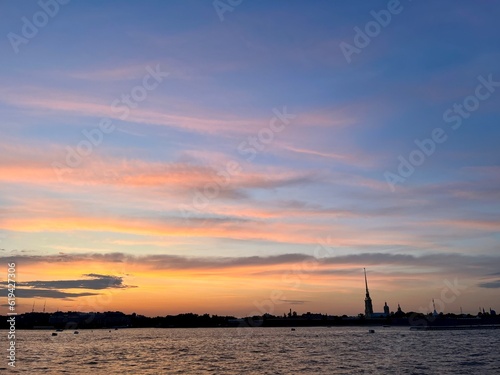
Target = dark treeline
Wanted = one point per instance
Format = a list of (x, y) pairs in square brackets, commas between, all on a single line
[(113, 319), (116, 319)]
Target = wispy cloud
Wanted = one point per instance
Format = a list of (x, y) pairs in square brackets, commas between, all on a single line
[(49, 293), (490, 285), (463, 265), (63, 288), (93, 281)]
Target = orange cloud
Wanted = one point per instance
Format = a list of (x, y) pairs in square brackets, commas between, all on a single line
[(243, 285)]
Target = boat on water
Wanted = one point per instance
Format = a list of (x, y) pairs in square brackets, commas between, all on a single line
[(444, 323), (454, 328)]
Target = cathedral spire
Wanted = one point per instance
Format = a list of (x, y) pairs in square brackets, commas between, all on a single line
[(366, 285), (368, 300)]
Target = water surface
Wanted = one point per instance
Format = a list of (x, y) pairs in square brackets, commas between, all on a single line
[(223, 351)]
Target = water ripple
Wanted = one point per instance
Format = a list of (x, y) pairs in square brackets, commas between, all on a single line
[(259, 351)]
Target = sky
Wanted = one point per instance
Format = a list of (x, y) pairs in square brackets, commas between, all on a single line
[(249, 157)]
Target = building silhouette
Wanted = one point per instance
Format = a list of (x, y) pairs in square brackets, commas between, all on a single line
[(387, 311), (369, 314)]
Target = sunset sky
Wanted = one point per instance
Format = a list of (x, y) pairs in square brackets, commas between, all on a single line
[(195, 156)]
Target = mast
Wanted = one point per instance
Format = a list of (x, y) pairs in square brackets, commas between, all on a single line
[(435, 313)]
